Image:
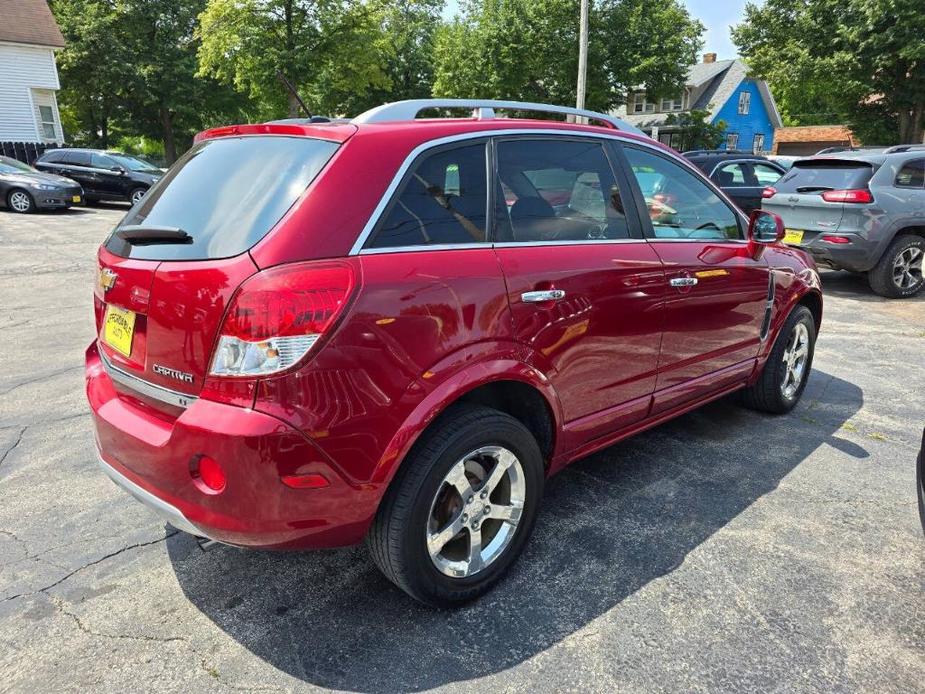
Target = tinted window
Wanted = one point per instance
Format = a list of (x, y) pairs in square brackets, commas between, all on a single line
[(77, 158), (732, 176), (912, 174), (766, 175), (52, 157), (13, 166), (226, 194), (98, 161), (680, 205), (442, 199), (817, 175), (557, 190)]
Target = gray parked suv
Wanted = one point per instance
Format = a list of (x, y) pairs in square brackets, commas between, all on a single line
[(860, 211)]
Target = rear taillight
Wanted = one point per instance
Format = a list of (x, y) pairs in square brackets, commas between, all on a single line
[(769, 192), (278, 315), (860, 195), (828, 238)]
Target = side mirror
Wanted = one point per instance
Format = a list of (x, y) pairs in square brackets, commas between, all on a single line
[(118, 169), (765, 227)]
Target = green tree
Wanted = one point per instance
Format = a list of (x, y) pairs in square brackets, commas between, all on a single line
[(860, 61), (528, 50), (326, 48), (696, 130)]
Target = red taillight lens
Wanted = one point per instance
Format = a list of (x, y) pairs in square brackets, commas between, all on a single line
[(769, 192), (209, 473), (861, 195), (278, 314)]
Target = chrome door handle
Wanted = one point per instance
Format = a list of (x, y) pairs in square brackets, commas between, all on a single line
[(683, 281), (541, 296)]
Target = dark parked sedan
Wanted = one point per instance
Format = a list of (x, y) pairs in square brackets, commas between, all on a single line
[(23, 189), (741, 175), (103, 175)]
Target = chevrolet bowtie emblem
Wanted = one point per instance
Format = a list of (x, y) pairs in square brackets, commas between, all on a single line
[(107, 279)]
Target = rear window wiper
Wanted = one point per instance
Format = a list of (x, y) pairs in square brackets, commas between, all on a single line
[(813, 189), (140, 235)]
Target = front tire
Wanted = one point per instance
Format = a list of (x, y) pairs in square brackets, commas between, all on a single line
[(136, 195), (461, 508), (786, 371), (898, 274), (20, 201)]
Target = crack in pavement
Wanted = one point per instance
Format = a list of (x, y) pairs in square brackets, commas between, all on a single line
[(88, 565), (40, 378), (9, 450)]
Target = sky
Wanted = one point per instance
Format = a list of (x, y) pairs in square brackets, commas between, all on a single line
[(716, 15)]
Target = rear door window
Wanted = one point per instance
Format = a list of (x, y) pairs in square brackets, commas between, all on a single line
[(765, 175), (733, 176), (226, 194), (101, 161), (912, 174), (819, 175), (78, 158), (442, 200)]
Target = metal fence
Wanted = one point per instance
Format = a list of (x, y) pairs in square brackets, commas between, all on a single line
[(26, 152)]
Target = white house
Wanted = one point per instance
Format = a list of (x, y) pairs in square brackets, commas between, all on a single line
[(29, 119)]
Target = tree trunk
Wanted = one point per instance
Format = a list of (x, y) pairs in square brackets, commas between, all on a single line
[(917, 126), (167, 137), (104, 132), (294, 108)]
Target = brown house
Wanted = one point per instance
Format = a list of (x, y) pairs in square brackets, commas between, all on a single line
[(804, 140)]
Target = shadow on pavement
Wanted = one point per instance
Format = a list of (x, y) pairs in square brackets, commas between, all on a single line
[(609, 525), (849, 285)]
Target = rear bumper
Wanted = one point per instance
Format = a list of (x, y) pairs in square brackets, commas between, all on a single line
[(150, 454), (858, 256)]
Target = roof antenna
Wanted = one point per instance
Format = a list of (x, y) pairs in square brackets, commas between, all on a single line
[(292, 90)]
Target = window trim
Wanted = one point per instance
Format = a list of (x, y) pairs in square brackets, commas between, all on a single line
[(53, 123), (397, 186), (614, 141), (642, 210), (735, 140), (906, 163), (745, 97), (755, 140)]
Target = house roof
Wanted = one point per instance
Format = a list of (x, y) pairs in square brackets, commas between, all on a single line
[(29, 21), (814, 133), (721, 78)]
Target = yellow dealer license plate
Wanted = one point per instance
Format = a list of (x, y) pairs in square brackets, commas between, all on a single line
[(793, 236), (118, 329), (76, 198)]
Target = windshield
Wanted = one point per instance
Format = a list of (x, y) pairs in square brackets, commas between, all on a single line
[(134, 164), (225, 194), (8, 165), (820, 175)]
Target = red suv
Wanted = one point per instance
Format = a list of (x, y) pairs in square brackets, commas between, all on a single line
[(395, 328)]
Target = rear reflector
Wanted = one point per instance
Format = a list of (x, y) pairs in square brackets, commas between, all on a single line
[(277, 316), (207, 471), (860, 195), (836, 239), (769, 192), (310, 481)]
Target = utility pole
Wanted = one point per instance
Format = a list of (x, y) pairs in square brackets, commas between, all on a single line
[(582, 56)]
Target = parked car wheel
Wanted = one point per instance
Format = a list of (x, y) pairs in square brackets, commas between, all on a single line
[(137, 194), (20, 201), (461, 507), (899, 273), (785, 373)]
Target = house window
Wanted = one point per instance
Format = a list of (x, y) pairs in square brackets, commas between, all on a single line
[(745, 101), (49, 130), (732, 141), (640, 105), (672, 104), (758, 143)]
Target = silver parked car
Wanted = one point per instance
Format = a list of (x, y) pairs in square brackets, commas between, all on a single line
[(862, 211)]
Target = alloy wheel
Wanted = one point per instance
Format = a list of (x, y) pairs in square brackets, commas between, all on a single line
[(907, 268), (20, 201), (137, 195), (795, 358), (476, 510)]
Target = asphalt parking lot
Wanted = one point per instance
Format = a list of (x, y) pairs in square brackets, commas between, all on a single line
[(723, 551)]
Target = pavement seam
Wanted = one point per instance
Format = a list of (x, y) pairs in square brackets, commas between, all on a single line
[(19, 437)]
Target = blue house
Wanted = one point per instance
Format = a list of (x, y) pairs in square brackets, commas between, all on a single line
[(724, 90)]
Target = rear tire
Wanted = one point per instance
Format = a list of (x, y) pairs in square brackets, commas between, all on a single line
[(785, 373), (460, 508), (898, 274), (136, 195), (20, 201)]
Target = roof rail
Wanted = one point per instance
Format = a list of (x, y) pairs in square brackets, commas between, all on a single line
[(482, 109), (903, 148)]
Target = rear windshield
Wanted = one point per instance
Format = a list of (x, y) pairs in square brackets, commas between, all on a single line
[(819, 175), (226, 194)]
